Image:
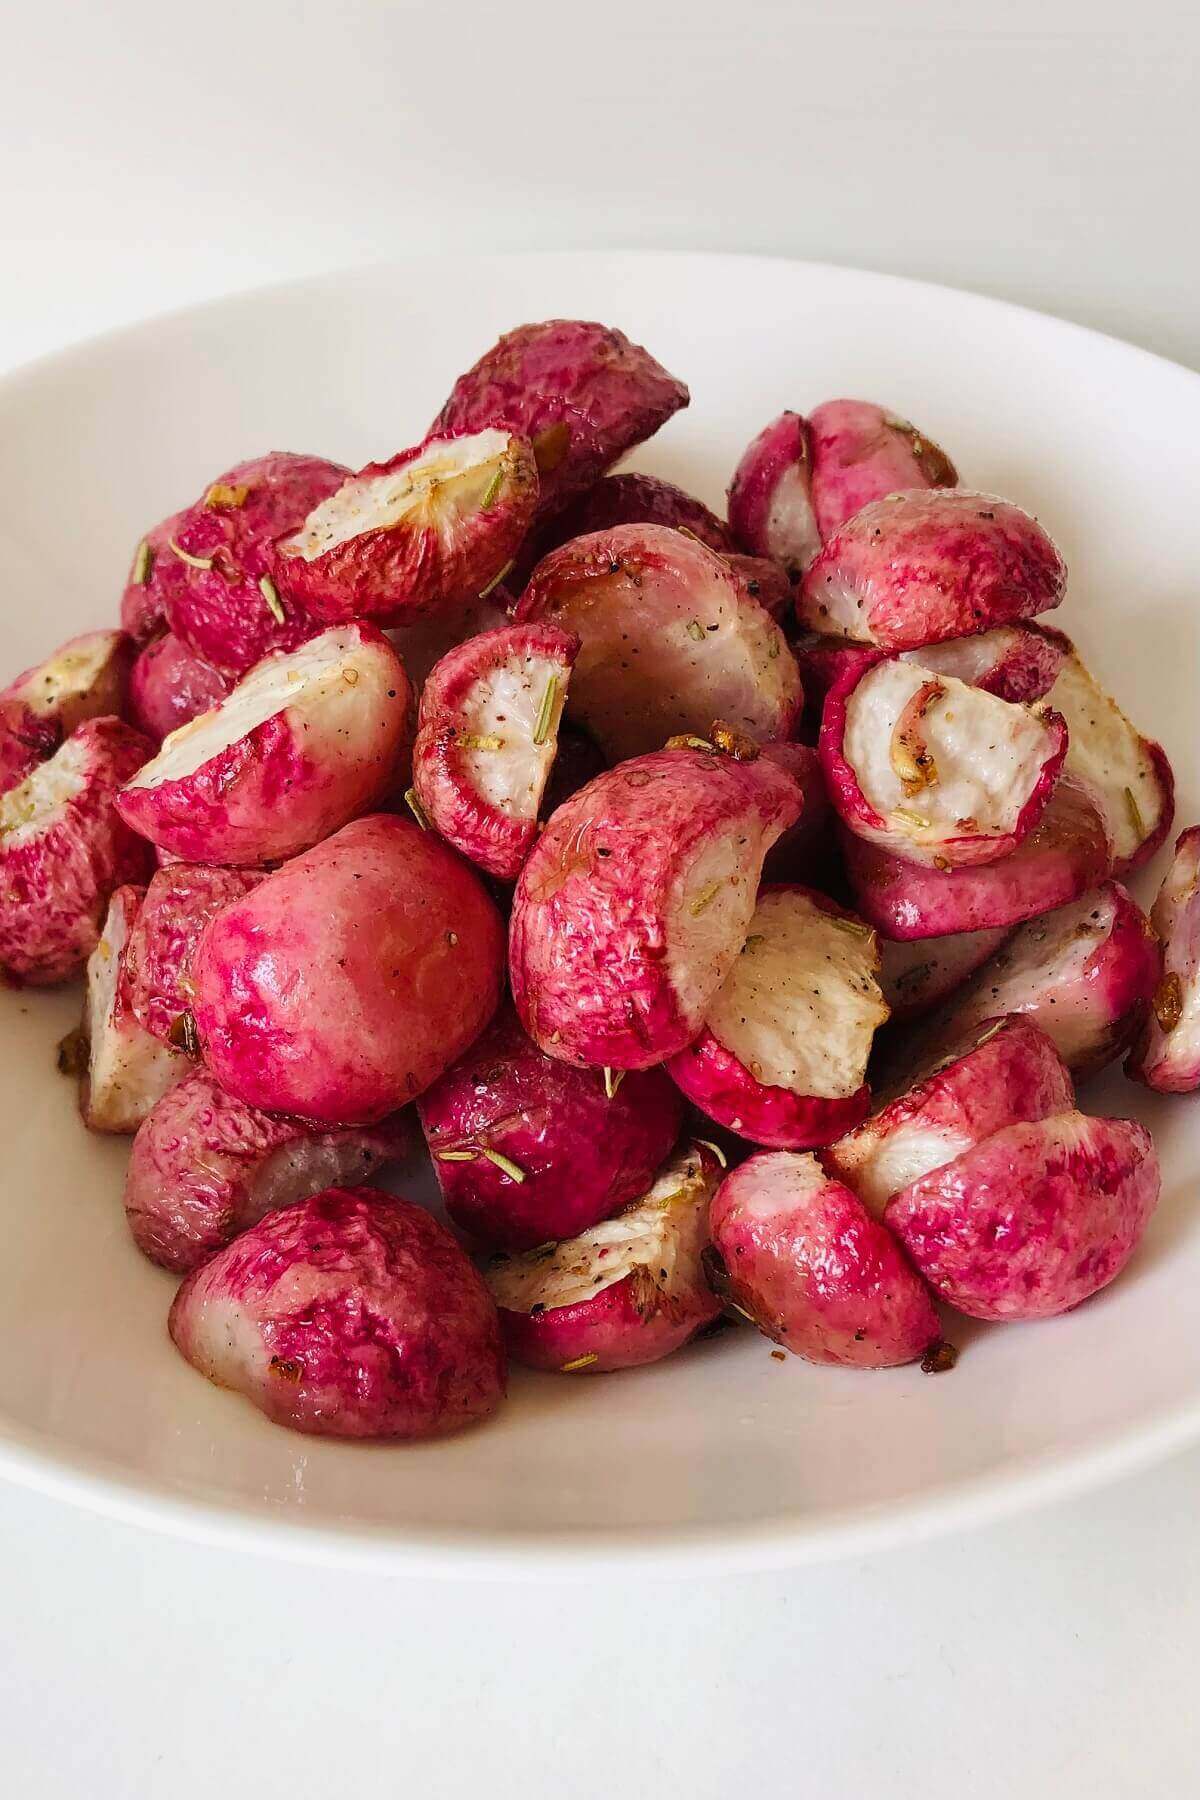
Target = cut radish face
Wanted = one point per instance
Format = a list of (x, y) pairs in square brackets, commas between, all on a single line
[(411, 535), (921, 974), (926, 565), (1085, 973), (670, 640), (487, 738), (1128, 773), (1005, 1071), (770, 496), (934, 770), (629, 1291), (86, 679), (128, 1071), (636, 899), (1168, 1055), (861, 453), (303, 743), (798, 1255), (782, 1058), (1014, 662)]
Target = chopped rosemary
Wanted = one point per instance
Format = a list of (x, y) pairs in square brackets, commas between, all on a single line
[(705, 899), (541, 729), (270, 594), (143, 562), (416, 809), (221, 494), (908, 817), (513, 1170), (695, 630), (853, 927), (475, 740), (492, 488), (612, 1081), (1135, 814), (193, 562), (772, 649), (455, 1155), (707, 1144), (581, 1362), (497, 578)]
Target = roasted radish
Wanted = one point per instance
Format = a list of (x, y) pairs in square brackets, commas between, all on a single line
[(1167, 1057), (799, 1255), (423, 643), (628, 1291), (153, 574), (920, 974), (636, 899), (156, 967), (860, 452), (782, 1057), (804, 850), (626, 499), (170, 686), (770, 497), (1015, 662), (487, 738), (350, 1315), (128, 1071), (86, 678), (302, 744)]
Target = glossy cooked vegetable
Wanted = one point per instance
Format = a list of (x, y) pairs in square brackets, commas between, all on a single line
[(861, 452), (1167, 1056), (128, 1071)]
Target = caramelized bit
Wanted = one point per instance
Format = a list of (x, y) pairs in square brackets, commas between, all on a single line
[(1168, 1002), (939, 1358), (910, 756), (734, 743), (72, 1056)]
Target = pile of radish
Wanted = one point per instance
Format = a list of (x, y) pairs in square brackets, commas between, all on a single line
[(731, 906)]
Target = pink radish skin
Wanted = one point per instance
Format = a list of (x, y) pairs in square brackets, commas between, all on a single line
[(635, 901), (414, 535), (350, 979), (170, 686), (64, 851), (156, 967), (584, 1148), (917, 976), (218, 565), (860, 453), (1065, 854), (1167, 1056), (25, 741), (487, 738), (1086, 974), (804, 850), (627, 499), (802, 1258), (764, 581), (581, 392), (926, 565), (982, 771), (770, 497), (1019, 663), (155, 574), (1035, 1219), (802, 995), (301, 745), (670, 640), (128, 1071), (205, 1167), (629, 1291), (422, 644), (350, 1315), (1006, 1072)]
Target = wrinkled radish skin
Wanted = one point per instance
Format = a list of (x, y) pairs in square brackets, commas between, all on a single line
[(351, 1315), (154, 574), (926, 565), (635, 900), (582, 1144), (156, 969), (1168, 1054), (170, 686), (804, 850), (670, 640), (350, 979), (1033, 1220), (64, 852), (487, 738), (934, 770), (921, 974), (808, 1265), (860, 452), (629, 1291), (627, 499), (303, 743), (128, 1071), (422, 644), (1015, 662), (770, 497), (1007, 1071), (205, 1166)]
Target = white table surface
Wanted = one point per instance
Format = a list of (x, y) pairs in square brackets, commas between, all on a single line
[(151, 155)]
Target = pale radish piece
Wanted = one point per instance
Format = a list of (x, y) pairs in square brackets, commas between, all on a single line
[(1167, 1056), (933, 770), (1005, 1071), (350, 979), (861, 452), (1086, 974), (628, 1291), (156, 968), (304, 742), (782, 1058), (216, 565), (352, 1314), (636, 899), (919, 975), (581, 392), (487, 738), (799, 1256), (1065, 854), (64, 851), (670, 640), (128, 1071), (527, 1149), (170, 685), (205, 1166), (1015, 662), (1034, 1219), (770, 497), (417, 533), (424, 642), (86, 678), (1129, 774), (925, 565), (805, 849)]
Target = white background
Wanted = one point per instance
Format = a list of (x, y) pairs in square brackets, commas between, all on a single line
[(1045, 150)]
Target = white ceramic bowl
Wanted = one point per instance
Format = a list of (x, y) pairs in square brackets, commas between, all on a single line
[(721, 1455)]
